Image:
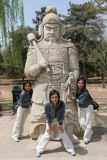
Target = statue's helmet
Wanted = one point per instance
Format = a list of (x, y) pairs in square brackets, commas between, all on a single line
[(51, 17)]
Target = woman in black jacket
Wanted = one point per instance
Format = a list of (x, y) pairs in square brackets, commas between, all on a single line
[(86, 109), (23, 104), (54, 111), (84, 101)]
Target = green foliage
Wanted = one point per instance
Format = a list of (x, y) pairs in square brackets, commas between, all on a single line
[(11, 16), (2, 21), (15, 53), (11, 13), (101, 4), (82, 22), (39, 16), (84, 27), (80, 14)]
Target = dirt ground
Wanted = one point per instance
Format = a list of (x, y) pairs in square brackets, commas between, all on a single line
[(96, 90), (6, 92)]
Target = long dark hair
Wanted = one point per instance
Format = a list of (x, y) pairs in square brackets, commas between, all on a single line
[(81, 79), (24, 84), (52, 93)]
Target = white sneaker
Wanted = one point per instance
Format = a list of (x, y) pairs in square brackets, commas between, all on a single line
[(73, 153), (38, 154), (15, 139), (86, 141)]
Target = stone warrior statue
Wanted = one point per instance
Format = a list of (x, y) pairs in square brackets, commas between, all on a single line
[(52, 62)]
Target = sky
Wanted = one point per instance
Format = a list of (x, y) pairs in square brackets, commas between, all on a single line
[(30, 6)]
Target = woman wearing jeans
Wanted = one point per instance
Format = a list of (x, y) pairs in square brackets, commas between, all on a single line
[(54, 111)]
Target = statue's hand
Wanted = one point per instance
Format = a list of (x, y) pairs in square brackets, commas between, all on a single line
[(71, 76), (70, 79), (43, 62)]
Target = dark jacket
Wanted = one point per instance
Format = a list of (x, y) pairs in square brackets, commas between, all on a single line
[(24, 99), (55, 112), (83, 98)]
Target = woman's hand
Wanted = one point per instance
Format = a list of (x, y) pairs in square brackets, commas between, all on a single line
[(43, 62), (69, 95)]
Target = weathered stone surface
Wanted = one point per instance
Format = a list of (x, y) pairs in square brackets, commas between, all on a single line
[(52, 62)]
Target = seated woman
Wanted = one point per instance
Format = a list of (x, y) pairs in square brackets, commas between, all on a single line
[(54, 111)]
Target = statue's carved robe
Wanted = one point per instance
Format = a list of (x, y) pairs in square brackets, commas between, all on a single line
[(62, 59)]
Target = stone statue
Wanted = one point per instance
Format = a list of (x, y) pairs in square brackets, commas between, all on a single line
[(52, 62)]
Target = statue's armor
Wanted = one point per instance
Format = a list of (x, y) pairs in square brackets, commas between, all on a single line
[(58, 59), (58, 62), (58, 56), (53, 64)]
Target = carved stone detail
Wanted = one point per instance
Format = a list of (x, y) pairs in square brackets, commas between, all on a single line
[(51, 62)]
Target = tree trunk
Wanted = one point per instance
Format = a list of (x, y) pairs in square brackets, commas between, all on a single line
[(103, 80), (84, 70)]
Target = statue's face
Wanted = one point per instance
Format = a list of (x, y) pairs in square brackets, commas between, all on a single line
[(51, 32)]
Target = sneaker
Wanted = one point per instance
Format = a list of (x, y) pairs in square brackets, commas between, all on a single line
[(73, 153), (15, 139), (86, 141), (38, 154), (20, 137)]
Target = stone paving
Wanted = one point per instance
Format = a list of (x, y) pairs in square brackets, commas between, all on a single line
[(25, 149)]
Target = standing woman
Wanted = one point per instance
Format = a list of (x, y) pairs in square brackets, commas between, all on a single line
[(22, 111), (84, 101), (54, 111)]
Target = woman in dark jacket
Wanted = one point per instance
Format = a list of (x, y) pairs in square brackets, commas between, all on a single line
[(22, 111), (84, 101), (54, 111)]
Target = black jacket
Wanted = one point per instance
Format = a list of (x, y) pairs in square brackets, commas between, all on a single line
[(83, 98)]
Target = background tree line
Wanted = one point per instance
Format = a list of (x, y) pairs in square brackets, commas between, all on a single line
[(13, 41), (84, 27)]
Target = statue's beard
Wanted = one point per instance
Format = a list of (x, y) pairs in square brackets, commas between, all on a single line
[(51, 39)]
